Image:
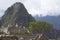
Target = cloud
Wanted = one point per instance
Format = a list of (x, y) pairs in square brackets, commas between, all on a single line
[(1, 12), (35, 6), (4, 4), (43, 7)]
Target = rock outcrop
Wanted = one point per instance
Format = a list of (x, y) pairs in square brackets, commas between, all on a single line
[(16, 14)]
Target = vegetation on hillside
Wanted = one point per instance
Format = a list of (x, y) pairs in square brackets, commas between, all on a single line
[(40, 26)]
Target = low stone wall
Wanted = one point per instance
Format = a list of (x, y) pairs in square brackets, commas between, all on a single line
[(8, 38), (24, 37)]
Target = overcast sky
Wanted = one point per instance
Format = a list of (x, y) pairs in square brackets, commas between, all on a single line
[(44, 7)]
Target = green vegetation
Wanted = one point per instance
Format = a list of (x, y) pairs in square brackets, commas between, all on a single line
[(35, 27), (40, 26), (20, 33)]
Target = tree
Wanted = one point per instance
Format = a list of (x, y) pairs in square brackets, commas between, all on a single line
[(40, 26)]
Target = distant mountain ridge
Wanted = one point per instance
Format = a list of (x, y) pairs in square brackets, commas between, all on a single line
[(55, 20), (16, 14)]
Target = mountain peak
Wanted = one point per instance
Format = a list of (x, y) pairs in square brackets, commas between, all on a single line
[(16, 14), (18, 3)]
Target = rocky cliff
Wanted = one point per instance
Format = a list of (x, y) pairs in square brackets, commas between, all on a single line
[(16, 14)]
